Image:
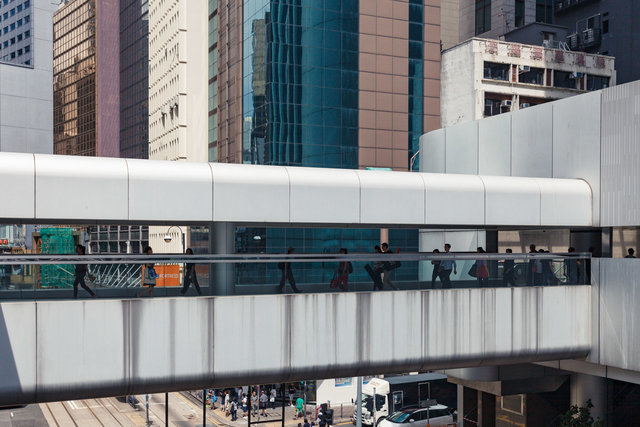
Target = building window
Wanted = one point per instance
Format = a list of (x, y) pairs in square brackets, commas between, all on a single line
[(531, 75), (519, 13), (565, 79), (483, 16), (597, 82), (496, 71), (544, 9), (495, 104)]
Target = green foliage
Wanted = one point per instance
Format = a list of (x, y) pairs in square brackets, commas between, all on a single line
[(580, 416)]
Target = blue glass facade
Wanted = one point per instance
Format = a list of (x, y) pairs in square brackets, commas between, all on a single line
[(300, 83), (416, 75)]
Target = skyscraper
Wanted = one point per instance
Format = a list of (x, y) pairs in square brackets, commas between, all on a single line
[(86, 78), (330, 83), (16, 40)]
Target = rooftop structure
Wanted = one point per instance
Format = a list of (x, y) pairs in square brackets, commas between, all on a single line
[(483, 78)]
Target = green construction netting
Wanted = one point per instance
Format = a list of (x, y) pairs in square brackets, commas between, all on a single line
[(57, 241)]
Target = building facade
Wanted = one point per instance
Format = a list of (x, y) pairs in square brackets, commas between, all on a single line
[(16, 41), (483, 78), (609, 27), (26, 101), (86, 78), (134, 79), (178, 80), (347, 84)]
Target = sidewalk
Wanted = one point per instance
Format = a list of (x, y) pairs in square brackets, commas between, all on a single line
[(276, 414)]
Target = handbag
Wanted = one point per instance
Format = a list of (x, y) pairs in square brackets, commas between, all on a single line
[(473, 271), (334, 281)]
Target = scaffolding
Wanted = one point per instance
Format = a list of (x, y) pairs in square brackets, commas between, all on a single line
[(57, 241)]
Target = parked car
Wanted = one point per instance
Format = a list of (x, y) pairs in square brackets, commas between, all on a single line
[(434, 415)]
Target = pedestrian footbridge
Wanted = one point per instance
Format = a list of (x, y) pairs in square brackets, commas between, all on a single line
[(59, 350)]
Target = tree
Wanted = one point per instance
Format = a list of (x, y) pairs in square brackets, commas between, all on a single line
[(580, 416)]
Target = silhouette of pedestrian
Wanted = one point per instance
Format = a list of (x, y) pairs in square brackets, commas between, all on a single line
[(287, 274), (508, 271), (150, 275), (81, 271), (436, 270), (190, 275)]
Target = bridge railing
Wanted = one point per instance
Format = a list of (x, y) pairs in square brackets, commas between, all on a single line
[(129, 276)]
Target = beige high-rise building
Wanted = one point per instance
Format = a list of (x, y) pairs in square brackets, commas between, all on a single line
[(178, 79)]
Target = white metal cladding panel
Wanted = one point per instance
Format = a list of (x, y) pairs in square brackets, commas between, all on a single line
[(171, 338), (17, 185), (81, 345), (620, 156), (262, 347), (494, 147), (319, 195), (313, 347), (559, 320), (454, 199), (78, 187), (565, 202), (576, 142), (511, 201), (462, 148), (396, 335), (391, 197), (250, 193), (432, 152), (532, 141), (619, 315), (524, 323), (176, 190), (18, 352)]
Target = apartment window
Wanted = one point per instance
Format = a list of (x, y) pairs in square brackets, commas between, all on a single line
[(531, 75), (564, 79), (19, 8), (27, 4), (27, 19), (483, 16), (495, 104), (597, 82), (544, 9), (496, 71), (519, 13)]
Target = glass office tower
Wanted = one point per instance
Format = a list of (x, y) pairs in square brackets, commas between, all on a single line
[(324, 83)]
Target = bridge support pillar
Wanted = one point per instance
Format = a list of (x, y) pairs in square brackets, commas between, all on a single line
[(222, 242), (585, 387)]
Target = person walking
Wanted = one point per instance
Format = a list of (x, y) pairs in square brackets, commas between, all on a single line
[(227, 403), (150, 275), (254, 404), (272, 397), (292, 392), (190, 276), (81, 271), (234, 409), (299, 404), (447, 266), (531, 270), (388, 267), (436, 270), (263, 402), (342, 273), (482, 272), (630, 253), (287, 274), (375, 270), (244, 405), (571, 267), (508, 271)]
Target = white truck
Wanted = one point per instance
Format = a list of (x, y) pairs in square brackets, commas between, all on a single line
[(393, 393)]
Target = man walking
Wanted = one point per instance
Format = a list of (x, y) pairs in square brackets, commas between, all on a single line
[(446, 267), (388, 268), (287, 274)]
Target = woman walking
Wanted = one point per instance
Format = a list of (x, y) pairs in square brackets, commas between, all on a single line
[(150, 276), (482, 272)]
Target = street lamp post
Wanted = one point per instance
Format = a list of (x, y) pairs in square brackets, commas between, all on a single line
[(167, 237)]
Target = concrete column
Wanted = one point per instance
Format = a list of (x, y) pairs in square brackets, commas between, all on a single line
[(486, 409), (460, 405), (222, 242), (467, 406), (607, 243), (585, 387)]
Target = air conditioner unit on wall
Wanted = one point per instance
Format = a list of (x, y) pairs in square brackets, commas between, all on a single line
[(524, 68), (506, 103), (524, 105)]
